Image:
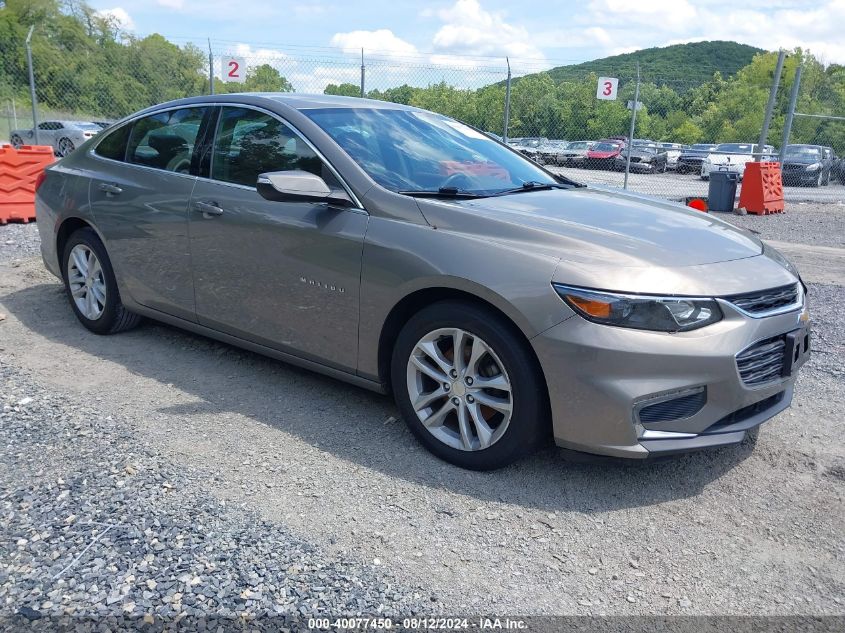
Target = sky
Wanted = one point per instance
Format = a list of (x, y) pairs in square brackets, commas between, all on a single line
[(480, 33)]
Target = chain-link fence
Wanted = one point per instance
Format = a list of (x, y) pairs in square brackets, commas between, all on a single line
[(687, 123)]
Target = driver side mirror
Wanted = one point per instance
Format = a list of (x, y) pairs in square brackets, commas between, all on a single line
[(299, 186)]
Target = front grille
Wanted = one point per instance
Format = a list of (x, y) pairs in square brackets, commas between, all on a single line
[(674, 409), (757, 303), (762, 362)]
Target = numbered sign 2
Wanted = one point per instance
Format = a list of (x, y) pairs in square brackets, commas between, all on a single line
[(607, 88), (234, 69)]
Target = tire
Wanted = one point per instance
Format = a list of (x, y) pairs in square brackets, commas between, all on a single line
[(64, 147), (108, 316), (817, 181), (16, 141), (507, 360)]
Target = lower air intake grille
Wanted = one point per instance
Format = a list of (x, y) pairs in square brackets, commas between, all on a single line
[(756, 303), (762, 362), (674, 409)]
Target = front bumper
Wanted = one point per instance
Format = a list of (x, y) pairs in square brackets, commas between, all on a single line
[(599, 377)]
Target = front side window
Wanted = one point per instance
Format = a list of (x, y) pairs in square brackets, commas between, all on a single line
[(410, 150), (165, 140), (249, 143)]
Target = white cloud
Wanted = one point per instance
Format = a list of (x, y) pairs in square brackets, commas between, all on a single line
[(119, 17), (172, 4), (469, 29), (381, 41)]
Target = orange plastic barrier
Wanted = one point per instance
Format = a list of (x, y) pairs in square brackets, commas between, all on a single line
[(762, 189), (19, 169)]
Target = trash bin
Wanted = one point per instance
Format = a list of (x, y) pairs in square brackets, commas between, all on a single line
[(722, 191)]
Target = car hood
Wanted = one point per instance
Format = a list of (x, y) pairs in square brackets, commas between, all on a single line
[(617, 241), (600, 154), (596, 226)]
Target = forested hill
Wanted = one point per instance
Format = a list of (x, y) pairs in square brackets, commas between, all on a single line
[(682, 66)]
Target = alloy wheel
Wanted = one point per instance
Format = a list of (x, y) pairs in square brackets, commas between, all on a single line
[(65, 147), (87, 282), (459, 389)]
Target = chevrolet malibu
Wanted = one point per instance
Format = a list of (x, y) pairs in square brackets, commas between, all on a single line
[(403, 251)]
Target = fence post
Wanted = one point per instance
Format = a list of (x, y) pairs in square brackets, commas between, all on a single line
[(210, 69), (770, 106), (507, 103), (362, 73), (790, 114), (32, 84), (633, 127)]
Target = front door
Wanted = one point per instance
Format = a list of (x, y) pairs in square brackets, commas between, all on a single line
[(281, 274)]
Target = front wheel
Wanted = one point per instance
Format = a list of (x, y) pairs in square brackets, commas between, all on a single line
[(65, 147), (16, 141), (468, 386), (91, 285)]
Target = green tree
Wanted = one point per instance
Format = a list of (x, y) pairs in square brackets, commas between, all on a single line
[(343, 90)]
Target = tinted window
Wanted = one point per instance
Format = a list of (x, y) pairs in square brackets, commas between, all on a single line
[(249, 143), (409, 150), (114, 145), (165, 140)]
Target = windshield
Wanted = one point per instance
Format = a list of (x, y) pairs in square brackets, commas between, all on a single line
[(803, 152), (408, 150), (739, 148), (605, 147)]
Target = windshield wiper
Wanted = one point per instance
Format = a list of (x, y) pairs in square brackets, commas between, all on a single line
[(443, 192), (532, 185)]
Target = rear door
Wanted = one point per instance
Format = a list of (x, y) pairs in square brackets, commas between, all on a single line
[(139, 198), (281, 274)]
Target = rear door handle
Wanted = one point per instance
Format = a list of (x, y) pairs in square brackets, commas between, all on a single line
[(110, 189), (208, 209)]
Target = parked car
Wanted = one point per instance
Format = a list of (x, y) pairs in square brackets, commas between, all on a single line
[(549, 153), (603, 154), (644, 159), (575, 153), (811, 165), (691, 158), (731, 157), (529, 146), (63, 136), (673, 153), (400, 250)]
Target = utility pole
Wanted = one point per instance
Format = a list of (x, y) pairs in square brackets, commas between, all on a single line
[(633, 127), (363, 70), (790, 114), (32, 84), (210, 69), (770, 106), (507, 103)]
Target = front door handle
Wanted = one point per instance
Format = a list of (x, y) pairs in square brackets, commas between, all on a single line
[(208, 209), (110, 189)]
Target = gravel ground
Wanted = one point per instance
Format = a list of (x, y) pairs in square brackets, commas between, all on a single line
[(803, 222), (19, 241), (94, 524)]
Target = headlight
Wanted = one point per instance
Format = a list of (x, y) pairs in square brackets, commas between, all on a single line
[(641, 312), (813, 166)]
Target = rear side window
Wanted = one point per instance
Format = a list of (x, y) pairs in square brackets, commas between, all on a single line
[(249, 143), (165, 140), (114, 145)]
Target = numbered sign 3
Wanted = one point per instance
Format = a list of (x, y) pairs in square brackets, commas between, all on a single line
[(607, 88), (234, 69)]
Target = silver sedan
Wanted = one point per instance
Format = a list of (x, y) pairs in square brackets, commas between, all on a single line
[(405, 252), (62, 136)]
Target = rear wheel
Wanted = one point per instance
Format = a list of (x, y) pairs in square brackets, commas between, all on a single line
[(468, 387), (91, 285)]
